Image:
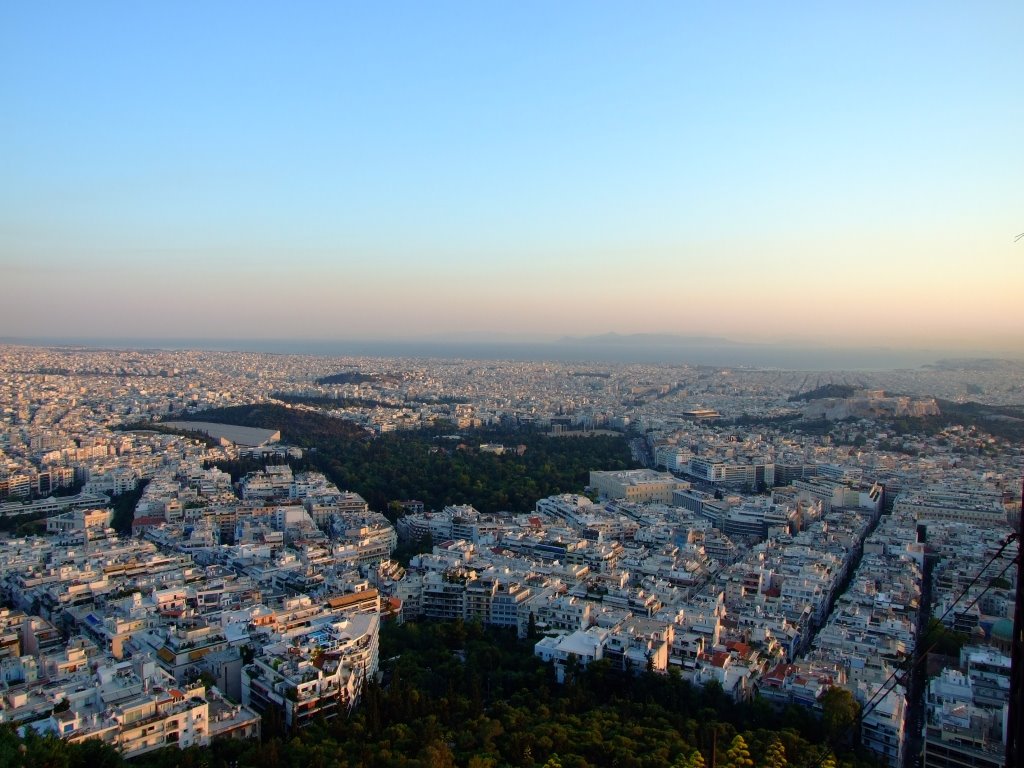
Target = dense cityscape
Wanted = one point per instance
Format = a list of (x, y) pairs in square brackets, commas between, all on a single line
[(180, 565), (511, 385)]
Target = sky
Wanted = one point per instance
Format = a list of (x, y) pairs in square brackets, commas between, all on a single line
[(838, 173)]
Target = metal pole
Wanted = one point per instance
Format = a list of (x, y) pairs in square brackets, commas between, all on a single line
[(1015, 724)]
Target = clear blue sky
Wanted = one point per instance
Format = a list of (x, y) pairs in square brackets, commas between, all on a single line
[(843, 171)]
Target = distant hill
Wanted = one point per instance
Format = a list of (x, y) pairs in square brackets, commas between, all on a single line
[(1005, 421), (982, 410), (664, 339), (976, 364)]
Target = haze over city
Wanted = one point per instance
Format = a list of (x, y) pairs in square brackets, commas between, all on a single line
[(833, 176)]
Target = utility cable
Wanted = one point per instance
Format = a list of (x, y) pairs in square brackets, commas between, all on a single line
[(918, 656)]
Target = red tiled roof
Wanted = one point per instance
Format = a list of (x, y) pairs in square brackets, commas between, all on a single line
[(778, 674), (719, 659)]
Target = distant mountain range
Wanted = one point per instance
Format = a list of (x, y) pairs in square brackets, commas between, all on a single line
[(667, 339)]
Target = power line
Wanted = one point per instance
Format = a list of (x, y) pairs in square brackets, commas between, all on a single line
[(919, 656)]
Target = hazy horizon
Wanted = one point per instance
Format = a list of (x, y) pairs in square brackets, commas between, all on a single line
[(604, 349), (805, 175)]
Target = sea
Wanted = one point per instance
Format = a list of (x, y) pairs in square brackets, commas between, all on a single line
[(655, 350)]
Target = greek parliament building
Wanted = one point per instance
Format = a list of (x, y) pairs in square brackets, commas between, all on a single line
[(637, 485)]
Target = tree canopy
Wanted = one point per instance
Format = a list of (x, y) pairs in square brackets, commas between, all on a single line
[(430, 466), (460, 694)]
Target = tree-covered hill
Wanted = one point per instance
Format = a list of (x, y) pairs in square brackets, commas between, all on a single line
[(1002, 421)]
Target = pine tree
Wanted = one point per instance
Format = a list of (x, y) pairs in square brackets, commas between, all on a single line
[(695, 760), (738, 754), (775, 755)]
